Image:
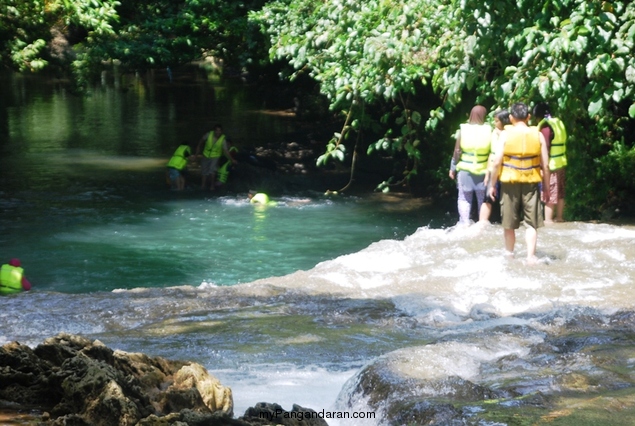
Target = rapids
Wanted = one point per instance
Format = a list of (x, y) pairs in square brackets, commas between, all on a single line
[(286, 304), (297, 338)]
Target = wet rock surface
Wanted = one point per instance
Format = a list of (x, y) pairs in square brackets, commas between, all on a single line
[(574, 370), (70, 380)]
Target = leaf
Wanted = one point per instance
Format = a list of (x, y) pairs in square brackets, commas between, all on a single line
[(543, 87), (416, 117), (591, 66), (631, 111), (595, 107)]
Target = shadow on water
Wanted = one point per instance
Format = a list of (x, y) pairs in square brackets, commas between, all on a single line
[(86, 206), (327, 285)]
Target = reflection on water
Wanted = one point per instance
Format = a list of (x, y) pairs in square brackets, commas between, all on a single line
[(86, 208), (284, 303)]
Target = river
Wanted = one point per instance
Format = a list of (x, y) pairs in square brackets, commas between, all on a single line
[(283, 304)]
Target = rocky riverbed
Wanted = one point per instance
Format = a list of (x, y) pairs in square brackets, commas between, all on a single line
[(70, 380)]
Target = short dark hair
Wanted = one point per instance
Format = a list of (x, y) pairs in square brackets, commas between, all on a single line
[(503, 116), (519, 111), (541, 110), (218, 126)]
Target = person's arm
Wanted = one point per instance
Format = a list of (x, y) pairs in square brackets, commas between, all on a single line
[(26, 285), (199, 146), (455, 156), (495, 147), (188, 154), (548, 134), (228, 154), (497, 163), (544, 165)]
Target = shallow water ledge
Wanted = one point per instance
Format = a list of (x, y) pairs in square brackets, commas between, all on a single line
[(574, 373)]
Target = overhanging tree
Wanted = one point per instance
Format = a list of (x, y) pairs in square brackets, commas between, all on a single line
[(575, 55), (138, 35)]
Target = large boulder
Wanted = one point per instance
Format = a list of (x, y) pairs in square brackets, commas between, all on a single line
[(78, 381)]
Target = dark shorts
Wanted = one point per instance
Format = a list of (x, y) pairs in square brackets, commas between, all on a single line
[(174, 174), (521, 201)]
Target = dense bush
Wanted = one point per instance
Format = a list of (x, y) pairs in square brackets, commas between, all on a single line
[(401, 74)]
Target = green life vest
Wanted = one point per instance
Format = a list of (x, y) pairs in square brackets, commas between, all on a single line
[(179, 159), (476, 140), (223, 171), (260, 198), (10, 279), (213, 148), (558, 150)]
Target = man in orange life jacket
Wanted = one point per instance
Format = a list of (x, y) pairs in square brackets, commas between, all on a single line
[(12, 279), (518, 165)]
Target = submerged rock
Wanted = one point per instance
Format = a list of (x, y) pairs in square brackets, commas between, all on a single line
[(577, 371)]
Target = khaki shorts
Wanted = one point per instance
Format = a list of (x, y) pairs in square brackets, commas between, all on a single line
[(209, 166), (521, 201), (556, 186)]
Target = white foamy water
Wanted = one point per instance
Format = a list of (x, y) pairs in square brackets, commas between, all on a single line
[(299, 338)]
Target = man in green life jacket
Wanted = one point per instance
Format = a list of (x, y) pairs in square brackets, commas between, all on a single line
[(176, 167), (12, 279), (555, 134), (212, 145), (225, 165)]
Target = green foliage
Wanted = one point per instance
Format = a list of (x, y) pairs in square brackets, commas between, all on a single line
[(136, 34), (26, 27), (574, 54), (400, 72), (160, 33)]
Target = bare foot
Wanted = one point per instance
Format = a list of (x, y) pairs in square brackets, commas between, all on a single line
[(532, 260)]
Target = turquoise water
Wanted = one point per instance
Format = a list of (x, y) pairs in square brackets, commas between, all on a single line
[(86, 208), (284, 304)]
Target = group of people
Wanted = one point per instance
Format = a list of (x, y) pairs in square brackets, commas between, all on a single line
[(212, 149), (518, 164)]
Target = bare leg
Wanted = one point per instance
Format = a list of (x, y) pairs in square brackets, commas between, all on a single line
[(485, 212), (510, 241), (483, 208), (531, 237), (212, 179), (204, 182), (549, 213), (560, 210)]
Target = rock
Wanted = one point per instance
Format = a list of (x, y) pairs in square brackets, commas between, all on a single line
[(75, 381), (266, 414)]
